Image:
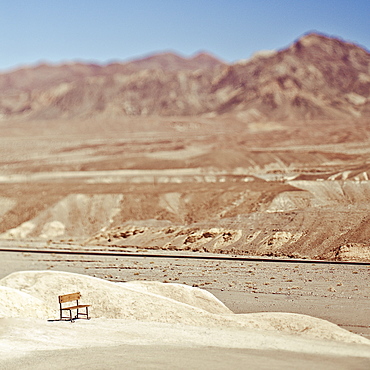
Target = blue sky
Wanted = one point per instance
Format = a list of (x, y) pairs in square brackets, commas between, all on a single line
[(34, 31)]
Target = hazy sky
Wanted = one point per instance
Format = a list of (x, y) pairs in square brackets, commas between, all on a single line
[(33, 31)]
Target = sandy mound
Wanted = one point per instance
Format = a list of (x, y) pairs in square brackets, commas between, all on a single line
[(149, 302), (118, 301), (67, 218), (172, 237), (15, 303), (182, 293), (350, 252), (325, 193)]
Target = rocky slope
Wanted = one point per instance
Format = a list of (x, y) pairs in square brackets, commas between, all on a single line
[(315, 77)]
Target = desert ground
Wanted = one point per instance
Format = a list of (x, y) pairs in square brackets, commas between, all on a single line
[(202, 187), (334, 292), (161, 325), (316, 315)]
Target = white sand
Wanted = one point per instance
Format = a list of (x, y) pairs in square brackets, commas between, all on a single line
[(151, 313)]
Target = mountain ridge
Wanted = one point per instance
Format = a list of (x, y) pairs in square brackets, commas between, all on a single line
[(316, 77)]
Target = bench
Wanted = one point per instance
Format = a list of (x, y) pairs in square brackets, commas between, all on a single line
[(70, 298)]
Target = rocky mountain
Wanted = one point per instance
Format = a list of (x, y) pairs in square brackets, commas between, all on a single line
[(317, 77), (45, 76)]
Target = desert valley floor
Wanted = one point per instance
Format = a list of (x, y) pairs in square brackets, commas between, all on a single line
[(199, 186), (293, 189)]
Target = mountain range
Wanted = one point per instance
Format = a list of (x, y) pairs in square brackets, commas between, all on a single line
[(316, 77)]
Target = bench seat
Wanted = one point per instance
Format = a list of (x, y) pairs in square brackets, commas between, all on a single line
[(75, 307)]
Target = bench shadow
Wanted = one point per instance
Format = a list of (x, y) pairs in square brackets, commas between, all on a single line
[(68, 320)]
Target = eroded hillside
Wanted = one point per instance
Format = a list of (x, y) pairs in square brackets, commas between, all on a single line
[(189, 190)]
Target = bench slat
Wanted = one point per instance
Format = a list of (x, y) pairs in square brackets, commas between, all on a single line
[(69, 297)]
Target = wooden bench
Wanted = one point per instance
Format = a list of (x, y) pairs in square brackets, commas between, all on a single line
[(70, 298)]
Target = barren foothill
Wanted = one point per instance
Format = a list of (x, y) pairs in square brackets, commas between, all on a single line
[(190, 190)]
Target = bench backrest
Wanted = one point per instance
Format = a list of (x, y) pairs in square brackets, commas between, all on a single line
[(69, 297)]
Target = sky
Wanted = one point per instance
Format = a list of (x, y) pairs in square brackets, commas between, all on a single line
[(103, 31)]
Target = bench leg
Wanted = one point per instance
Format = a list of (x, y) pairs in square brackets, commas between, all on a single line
[(83, 314), (78, 314), (66, 317)]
